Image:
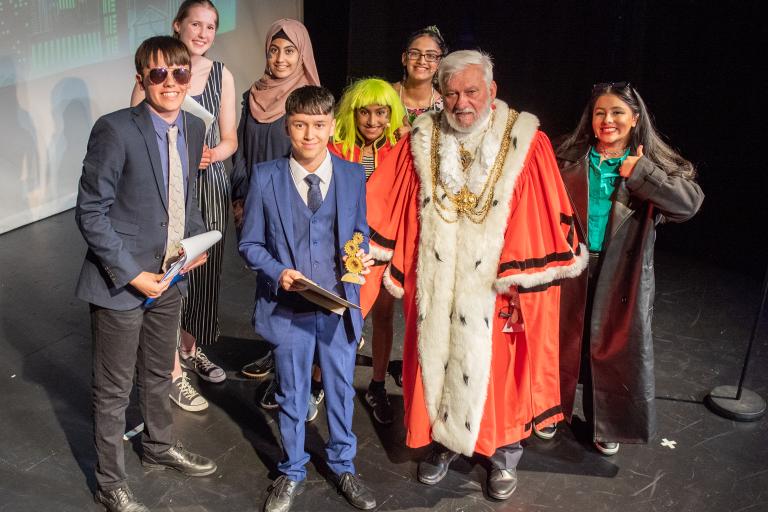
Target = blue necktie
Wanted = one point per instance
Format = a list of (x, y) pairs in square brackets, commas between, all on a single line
[(314, 196)]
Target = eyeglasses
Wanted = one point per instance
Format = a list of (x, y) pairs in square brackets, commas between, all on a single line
[(157, 76), (416, 55), (601, 86)]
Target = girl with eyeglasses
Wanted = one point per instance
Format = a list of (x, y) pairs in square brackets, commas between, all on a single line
[(213, 87), (623, 180), (367, 118), (420, 59)]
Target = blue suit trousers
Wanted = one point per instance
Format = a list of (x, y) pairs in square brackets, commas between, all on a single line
[(322, 333)]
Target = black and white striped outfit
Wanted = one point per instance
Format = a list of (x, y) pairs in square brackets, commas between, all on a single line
[(200, 309)]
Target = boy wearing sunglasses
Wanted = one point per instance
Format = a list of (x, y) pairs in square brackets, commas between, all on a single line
[(135, 203)]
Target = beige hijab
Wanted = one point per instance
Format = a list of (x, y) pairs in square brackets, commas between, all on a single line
[(267, 99)]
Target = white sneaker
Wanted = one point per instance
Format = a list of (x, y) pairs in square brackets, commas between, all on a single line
[(199, 363), (186, 396)]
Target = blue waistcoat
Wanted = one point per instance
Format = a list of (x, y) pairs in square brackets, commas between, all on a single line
[(315, 239)]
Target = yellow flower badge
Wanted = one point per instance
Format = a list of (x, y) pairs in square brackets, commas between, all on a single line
[(353, 263)]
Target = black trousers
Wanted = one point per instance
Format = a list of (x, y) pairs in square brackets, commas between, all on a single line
[(137, 342)]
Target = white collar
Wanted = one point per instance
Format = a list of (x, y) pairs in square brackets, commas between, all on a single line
[(324, 172)]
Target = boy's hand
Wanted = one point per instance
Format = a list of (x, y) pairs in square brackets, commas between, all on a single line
[(150, 284), (366, 259), (288, 280)]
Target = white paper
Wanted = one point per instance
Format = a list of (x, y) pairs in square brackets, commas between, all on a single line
[(324, 298), (193, 246), (196, 109)]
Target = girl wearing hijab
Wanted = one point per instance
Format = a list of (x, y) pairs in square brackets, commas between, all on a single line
[(262, 137)]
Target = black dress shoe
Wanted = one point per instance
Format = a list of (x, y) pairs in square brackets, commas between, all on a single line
[(281, 494), (355, 492), (178, 458), (502, 483), (119, 500), (435, 466)]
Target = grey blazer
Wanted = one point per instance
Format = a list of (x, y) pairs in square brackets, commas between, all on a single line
[(122, 205)]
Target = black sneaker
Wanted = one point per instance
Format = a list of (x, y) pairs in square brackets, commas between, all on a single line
[(317, 396), (378, 400), (547, 432), (268, 401), (199, 363), (261, 367), (607, 448)]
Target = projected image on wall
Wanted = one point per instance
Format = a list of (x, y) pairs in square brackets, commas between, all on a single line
[(43, 37)]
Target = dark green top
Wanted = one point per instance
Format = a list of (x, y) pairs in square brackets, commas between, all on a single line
[(603, 177)]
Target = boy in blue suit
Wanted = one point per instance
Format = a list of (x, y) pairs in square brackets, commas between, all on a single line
[(299, 213), (135, 202)]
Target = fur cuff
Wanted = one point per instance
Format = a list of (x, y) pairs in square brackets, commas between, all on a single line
[(503, 284), (379, 253), (390, 285)]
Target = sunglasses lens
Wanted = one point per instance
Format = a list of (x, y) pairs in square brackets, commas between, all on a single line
[(158, 75), (182, 75)]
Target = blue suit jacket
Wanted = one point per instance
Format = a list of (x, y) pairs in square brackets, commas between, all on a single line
[(122, 205), (267, 241)]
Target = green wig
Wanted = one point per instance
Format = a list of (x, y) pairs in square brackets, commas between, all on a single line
[(361, 93)]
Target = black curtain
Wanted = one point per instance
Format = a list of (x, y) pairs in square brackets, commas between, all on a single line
[(694, 62)]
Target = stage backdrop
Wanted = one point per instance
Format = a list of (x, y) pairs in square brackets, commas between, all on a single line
[(64, 63)]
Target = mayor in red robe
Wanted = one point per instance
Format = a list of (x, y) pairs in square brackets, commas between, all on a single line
[(477, 229)]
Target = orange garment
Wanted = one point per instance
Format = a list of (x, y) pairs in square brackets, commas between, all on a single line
[(540, 247)]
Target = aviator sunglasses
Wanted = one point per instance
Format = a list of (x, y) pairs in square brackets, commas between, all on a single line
[(157, 76)]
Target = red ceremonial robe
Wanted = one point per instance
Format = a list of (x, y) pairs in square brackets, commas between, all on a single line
[(466, 383)]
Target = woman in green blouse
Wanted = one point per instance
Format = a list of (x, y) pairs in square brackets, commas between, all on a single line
[(623, 180)]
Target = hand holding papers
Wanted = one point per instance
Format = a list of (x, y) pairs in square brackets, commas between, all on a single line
[(193, 247), (322, 297)]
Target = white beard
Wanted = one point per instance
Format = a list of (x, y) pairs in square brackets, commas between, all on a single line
[(479, 123)]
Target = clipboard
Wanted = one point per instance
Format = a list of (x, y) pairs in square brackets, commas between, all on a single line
[(316, 294)]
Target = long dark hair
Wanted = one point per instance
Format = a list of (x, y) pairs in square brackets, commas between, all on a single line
[(184, 8), (644, 133), (431, 31)]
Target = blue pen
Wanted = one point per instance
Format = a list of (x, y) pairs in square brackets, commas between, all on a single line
[(178, 277)]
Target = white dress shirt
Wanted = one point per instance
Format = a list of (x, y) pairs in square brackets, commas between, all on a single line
[(324, 172)]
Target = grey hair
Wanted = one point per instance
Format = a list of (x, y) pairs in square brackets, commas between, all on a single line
[(458, 61)]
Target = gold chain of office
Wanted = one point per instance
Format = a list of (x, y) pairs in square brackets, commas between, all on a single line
[(474, 207)]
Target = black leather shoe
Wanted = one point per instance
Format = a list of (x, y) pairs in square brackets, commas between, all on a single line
[(502, 483), (355, 492), (435, 466), (281, 494), (119, 500), (178, 458)]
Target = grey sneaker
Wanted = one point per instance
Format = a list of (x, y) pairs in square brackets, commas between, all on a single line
[(311, 410), (184, 394), (201, 365)]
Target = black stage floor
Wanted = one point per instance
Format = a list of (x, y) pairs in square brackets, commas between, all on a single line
[(703, 319)]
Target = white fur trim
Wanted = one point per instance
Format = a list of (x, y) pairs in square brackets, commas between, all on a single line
[(379, 253), (581, 261), (454, 329), (390, 285)]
